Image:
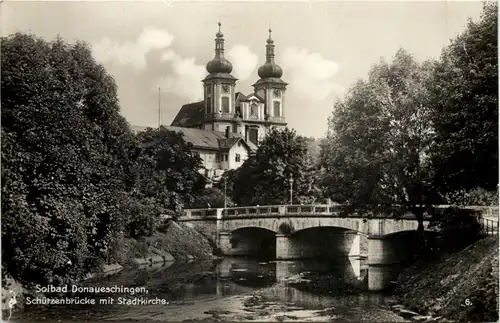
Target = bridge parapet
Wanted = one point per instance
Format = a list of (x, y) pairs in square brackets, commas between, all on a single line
[(202, 213), (328, 210), (282, 210), (314, 210)]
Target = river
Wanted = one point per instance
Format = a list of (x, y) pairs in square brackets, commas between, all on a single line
[(234, 289)]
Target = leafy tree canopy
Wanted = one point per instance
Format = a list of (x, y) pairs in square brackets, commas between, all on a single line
[(377, 150), (464, 91), (74, 176), (63, 154), (167, 169), (264, 178)]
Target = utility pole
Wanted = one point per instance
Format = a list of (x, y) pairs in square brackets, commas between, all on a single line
[(159, 108)]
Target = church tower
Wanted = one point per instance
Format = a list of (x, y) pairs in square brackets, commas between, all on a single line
[(271, 87), (219, 89)]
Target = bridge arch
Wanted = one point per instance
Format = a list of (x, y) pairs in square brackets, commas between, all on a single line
[(252, 241), (252, 228), (276, 224), (324, 229)]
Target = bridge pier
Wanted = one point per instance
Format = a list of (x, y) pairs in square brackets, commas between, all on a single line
[(224, 242), (383, 261), (288, 248)]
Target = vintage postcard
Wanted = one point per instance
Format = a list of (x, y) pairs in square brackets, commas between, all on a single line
[(318, 161)]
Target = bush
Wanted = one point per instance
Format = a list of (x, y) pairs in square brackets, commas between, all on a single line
[(476, 197), (180, 241), (144, 218), (63, 155), (211, 197), (459, 228)]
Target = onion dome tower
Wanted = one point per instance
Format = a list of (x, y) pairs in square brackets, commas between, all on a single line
[(270, 86), (219, 64), (219, 85), (270, 69)]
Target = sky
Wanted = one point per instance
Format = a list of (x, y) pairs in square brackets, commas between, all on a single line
[(323, 47)]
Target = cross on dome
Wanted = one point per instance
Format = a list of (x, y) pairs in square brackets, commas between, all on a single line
[(219, 33), (270, 40)]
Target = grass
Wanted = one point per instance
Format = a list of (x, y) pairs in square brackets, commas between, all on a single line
[(462, 286), (181, 241), (176, 239)]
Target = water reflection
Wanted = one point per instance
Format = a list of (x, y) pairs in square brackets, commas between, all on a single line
[(192, 289), (266, 273)]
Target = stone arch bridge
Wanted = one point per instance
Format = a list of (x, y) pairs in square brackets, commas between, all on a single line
[(289, 232), (306, 231)]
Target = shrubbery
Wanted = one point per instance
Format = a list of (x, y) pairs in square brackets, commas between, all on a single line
[(75, 180), (478, 197), (458, 228), (211, 197)]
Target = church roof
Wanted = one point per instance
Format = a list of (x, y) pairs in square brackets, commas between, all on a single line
[(240, 97), (190, 115), (206, 139), (258, 97)]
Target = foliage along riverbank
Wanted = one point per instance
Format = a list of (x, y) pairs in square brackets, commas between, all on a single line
[(173, 242), (80, 190), (461, 287)]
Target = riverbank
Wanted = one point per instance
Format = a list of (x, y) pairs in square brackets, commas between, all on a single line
[(174, 242), (462, 286)]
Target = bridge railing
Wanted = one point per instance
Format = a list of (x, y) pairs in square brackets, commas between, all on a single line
[(318, 209), (312, 209), (488, 226), (200, 213)]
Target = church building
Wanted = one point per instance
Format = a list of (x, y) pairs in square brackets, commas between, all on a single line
[(226, 113)]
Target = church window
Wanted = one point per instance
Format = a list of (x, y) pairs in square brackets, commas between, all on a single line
[(276, 109), (225, 104), (235, 128), (209, 90), (253, 109), (209, 106), (237, 158), (254, 136), (238, 110)]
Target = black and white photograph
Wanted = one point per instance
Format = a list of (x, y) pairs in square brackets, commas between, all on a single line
[(249, 161)]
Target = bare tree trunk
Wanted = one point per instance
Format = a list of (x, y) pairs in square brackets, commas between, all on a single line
[(419, 214)]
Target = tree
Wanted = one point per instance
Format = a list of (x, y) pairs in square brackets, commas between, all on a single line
[(376, 155), (167, 169), (64, 148), (227, 182), (264, 178), (465, 96)]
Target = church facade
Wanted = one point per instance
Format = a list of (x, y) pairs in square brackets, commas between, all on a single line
[(225, 110)]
